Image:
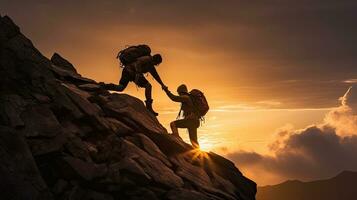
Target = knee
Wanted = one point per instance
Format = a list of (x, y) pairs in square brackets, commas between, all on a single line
[(121, 87)]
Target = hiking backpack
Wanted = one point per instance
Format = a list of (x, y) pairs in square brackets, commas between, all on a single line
[(131, 53), (199, 102)]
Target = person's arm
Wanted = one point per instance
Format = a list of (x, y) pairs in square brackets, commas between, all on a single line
[(176, 98), (156, 76)]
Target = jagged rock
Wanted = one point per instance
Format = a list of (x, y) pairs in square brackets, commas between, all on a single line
[(126, 165), (69, 75), (223, 184), (11, 107), (134, 112), (9, 27), (25, 51), (40, 146), (197, 176), (119, 127), (59, 61), (19, 175), (225, 168), (90, 87), (141, 194), (64, 137), (151, 148), (40, 121), (59, 187), (179, 194), (62, 105), (79, 97), (153, 167), (76, 147), (86, 170), (168, 144), (42, 98), (79, 193)]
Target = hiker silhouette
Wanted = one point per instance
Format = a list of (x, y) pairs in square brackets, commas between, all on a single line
[(136, 61), (194, 106)]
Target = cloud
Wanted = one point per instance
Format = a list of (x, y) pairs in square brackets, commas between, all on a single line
[(315, 152), (344, 118), (353, 80)]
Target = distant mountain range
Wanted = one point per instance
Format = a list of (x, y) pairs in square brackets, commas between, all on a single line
[(341, 187)]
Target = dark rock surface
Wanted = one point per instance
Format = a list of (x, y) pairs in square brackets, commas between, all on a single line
[(63, 137)]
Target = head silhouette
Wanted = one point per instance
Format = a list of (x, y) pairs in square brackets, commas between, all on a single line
[(157, 59), (182, 89)]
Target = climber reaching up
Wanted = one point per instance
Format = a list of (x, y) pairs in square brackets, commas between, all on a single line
[(194, 106)]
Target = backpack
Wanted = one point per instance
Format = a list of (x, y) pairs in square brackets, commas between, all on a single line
[(199, 102), (131, 53)]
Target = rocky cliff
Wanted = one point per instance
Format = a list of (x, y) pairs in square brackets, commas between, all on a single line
[(62, 137)]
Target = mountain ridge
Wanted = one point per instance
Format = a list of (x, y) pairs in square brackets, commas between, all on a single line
[(341, 186), (64, 137)]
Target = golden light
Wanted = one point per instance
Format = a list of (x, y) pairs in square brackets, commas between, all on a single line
[(206, 145)]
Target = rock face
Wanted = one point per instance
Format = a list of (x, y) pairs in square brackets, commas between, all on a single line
[(63, 137)]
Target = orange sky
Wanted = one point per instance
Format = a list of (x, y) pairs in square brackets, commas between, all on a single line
[(261, 66)]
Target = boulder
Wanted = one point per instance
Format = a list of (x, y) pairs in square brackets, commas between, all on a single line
[(40, 121), (132, 110), (153, 167), (186, 194), (151, 148), (59, 61), (79, 193), (86, 170), (19, 175), (90, 87), (11, 107), (40, 146)]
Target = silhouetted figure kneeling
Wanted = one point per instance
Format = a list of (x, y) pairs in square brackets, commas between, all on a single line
[(136, 61), (194, 107)]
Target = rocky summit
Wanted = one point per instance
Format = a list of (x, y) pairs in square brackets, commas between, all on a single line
[(63, 137)]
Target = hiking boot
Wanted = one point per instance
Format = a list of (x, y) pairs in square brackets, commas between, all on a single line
[(102, 85), (149, 107)]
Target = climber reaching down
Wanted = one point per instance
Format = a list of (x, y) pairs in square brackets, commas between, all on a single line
[(137, 61)]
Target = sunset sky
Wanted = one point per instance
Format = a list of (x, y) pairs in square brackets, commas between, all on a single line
[(269, 69)]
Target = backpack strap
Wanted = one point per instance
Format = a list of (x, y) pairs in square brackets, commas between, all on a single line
[(179, 114)]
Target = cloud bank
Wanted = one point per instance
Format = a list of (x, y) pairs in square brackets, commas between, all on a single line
[(315, 152)]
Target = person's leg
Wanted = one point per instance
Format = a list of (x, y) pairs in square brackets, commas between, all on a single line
[(149, 100), (192, 131), (193, 137), (142, 82), (181, 123), (148, 90), (124, 80), (174, 129)]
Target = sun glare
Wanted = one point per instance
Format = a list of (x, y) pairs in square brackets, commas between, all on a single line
[(206, 146)]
